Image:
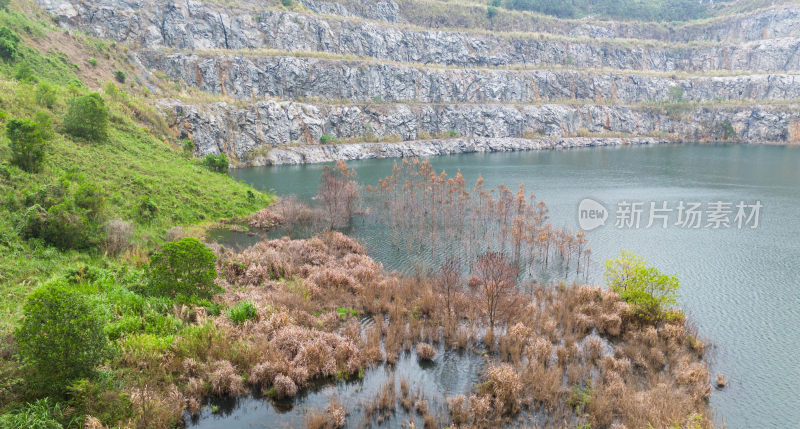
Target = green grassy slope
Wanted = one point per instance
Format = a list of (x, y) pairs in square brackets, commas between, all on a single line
[(140, 159)]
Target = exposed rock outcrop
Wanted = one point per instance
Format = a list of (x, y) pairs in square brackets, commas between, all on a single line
[(245, 76), (425, 148), (195, 25), (381, 78), (245, 133), (775, 22)]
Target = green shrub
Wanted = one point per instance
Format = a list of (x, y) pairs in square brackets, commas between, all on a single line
[(61, 336), (42, 414), (8, 43), (46, 95), (100, 399), (120, 76), (727, 130), (4, 4), (325, 139), (68, 216), (147, 209), (87, 118), (217, 163), (185, 267), (242, 312), (287, 3), (647, 290), (675, 94), (187, 145), (27, 144), (45, 124), (92, 62), (491, 12), (75, 86), (62, 226), (25, 73)]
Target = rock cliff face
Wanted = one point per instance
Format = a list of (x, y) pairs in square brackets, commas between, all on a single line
[(195, 25), (245, 76), (381, 78), (256, 129), (775, 22)]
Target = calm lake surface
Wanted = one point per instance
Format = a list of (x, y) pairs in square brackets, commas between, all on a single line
[(740, 286)]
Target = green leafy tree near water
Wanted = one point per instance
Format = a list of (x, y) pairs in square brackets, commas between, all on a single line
[(646, 289), (61, 336), (186, 267)]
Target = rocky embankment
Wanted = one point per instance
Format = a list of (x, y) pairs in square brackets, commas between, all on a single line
[(303, 154), (380, 78)]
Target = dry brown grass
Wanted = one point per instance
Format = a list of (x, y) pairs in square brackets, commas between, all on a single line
[(563, 336), (425, 351)]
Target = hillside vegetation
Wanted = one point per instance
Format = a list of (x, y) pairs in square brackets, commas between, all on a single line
[(104, 182)]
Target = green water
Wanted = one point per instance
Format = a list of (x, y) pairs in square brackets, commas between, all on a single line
[(741, 287)]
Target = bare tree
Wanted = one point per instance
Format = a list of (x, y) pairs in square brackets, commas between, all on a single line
[(338, 194), (447, 282), (497, 276)]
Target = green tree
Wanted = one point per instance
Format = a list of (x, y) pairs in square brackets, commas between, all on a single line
[(218, 163), (87, 117), (46, 95), (8, 43), (61, 336), (185, 267), (27, 144), (45, 124), (646, 289), (491, 12)]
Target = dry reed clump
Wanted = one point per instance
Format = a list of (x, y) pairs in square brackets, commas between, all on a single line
[(225, 381), (459, 410), (92, 423), (289, 210), (620, 362), (504, 385), (425, 351), (593, 348), (264, 218), (337, 415), (284, 387)]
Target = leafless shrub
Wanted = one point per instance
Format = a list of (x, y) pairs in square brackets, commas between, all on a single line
[(338, 195), (119, 234), (175, 233), (497, 277)]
